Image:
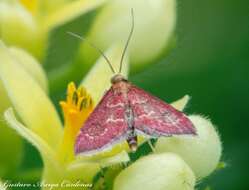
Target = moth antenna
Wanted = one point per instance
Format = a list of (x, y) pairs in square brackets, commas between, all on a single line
[(128, 40), (95, 47)]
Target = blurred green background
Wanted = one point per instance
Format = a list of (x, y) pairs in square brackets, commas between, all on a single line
[(210, 63)]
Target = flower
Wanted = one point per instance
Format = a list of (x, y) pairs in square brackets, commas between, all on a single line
[(43, 127), (9, 164), (156, 171), (35, 20), (201, 153), (113, 23)]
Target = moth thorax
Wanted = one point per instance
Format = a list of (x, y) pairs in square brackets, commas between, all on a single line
[(117, 78)]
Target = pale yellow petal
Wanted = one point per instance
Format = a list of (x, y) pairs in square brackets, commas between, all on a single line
[(97, 81), (120, 157), (29, 100), (157, 172), (30, 5), (88, 167), (45, 150), (31, 65), (70, 11), (201, 152), (19, 28), (181, 103), (86, 171), (4, 100), (11, 162), (41, 8)]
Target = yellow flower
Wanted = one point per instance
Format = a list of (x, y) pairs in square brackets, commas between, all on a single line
[(41, 125), (9, 164), (76, 109), (27, 23)]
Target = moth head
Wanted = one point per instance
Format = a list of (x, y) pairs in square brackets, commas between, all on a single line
[(117, 78)]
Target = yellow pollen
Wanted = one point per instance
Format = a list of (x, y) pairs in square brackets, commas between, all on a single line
[(76, 109), (30, 5)]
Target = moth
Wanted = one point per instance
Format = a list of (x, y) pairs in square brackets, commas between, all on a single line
[(126, 111)]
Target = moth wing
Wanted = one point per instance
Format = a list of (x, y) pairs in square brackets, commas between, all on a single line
[(104, 127), (153, 117)]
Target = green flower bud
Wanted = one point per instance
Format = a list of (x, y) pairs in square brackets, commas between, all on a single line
[(157, 172), (154, 25), (202, 152)]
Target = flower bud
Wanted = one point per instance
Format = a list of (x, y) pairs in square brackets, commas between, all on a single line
[(161, 171), (154, 25), (202, 152)]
